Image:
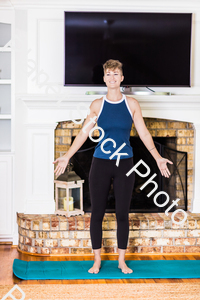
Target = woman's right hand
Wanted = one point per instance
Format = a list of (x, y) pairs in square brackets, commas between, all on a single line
[(62, 164)]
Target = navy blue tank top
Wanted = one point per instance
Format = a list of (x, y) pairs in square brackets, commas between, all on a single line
[(115, 118)]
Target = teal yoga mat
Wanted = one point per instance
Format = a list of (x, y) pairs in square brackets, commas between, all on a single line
[(109, 269)]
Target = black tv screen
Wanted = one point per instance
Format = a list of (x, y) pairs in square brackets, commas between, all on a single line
[(155, 48)]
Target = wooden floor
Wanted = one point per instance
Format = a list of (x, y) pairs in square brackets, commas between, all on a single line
[(9, 253)]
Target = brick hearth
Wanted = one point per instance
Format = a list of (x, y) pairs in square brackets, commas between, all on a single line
[(149, 233)]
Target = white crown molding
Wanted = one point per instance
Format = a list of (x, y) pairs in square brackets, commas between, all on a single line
[(179, 5), (6, 4)]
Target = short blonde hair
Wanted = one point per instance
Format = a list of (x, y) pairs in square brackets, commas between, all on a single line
[(112, 65)]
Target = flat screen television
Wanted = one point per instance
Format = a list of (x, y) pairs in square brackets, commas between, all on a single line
[(155, 48)]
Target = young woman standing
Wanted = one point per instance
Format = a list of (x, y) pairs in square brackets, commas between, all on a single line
[(114, 113)]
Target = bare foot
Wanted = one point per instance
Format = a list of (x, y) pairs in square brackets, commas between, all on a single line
[(96, 267), (125, 269)]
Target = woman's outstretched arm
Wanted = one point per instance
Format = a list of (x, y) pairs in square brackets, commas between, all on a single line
[(146, 137), (79, 140)]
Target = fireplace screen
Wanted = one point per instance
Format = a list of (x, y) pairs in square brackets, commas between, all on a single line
[(175, 186)]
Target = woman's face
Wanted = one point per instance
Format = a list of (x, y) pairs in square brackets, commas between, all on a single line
[(113, 78)]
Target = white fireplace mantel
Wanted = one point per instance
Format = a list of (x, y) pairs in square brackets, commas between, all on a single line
[(39, 116), (176, 107)]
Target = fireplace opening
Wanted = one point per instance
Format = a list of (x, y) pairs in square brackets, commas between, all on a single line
[(175, 186)]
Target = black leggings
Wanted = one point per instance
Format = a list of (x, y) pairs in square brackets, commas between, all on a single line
[(101, 173)]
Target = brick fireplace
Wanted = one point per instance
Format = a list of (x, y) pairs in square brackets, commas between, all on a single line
[(183, 131), (45, 124)]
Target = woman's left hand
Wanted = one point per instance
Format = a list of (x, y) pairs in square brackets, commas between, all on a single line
[(162, 165)]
